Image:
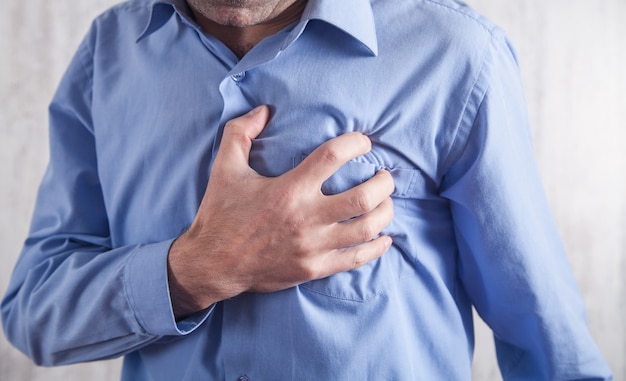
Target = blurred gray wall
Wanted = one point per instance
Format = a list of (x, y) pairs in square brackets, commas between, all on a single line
[(573, 59)]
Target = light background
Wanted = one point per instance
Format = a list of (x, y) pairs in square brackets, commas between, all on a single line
[(573, 59)]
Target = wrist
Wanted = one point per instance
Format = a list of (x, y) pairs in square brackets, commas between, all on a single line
[(183, 297)]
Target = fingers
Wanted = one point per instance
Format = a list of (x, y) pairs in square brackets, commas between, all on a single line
[(347, 259), (358, 239), (358, 200), (234, 151), (329, 157), (363, 228)]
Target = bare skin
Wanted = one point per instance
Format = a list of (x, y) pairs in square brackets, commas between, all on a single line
[(241, 24), (261, 234)]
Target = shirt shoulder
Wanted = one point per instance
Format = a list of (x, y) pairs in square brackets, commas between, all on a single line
[(453, 54), (457, 15), (128, 7), (447, 24), (128, 18)]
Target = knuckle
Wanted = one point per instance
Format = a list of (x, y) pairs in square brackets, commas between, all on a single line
[(236, 132), (361, 201), (367, 231), (359, 258), (306, 272), (330, 155), (296, 233), (297, 236), (233, 126)]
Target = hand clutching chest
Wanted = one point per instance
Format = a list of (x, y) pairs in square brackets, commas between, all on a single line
[(261, 234)]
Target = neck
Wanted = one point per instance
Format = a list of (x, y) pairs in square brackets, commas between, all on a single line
[(241, 39)]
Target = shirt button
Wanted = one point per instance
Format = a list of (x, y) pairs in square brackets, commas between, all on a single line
[(239, 76), (243, 378)]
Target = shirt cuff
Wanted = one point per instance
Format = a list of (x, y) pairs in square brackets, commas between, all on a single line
[(147, 290)]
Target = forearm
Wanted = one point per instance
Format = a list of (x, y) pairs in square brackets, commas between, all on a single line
[(87, 303)]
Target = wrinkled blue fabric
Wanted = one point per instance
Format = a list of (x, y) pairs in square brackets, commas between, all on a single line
[(134, 128)]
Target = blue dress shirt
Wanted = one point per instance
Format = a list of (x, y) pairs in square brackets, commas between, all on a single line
[(136, 123)]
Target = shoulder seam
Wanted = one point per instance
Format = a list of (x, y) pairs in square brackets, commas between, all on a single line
[(491, 29), (478, 90)]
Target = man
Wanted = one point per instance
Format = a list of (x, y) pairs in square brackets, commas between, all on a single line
[(341, 232)]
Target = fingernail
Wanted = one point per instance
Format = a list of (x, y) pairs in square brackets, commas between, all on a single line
[(256, 110), (388, 241)]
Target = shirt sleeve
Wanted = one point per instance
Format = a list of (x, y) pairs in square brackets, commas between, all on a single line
[(74, 297), (511, 260)]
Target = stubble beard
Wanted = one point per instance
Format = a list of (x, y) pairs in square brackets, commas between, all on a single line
[(235, 13)]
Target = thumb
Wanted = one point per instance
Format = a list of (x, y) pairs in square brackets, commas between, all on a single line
[(234, 149)]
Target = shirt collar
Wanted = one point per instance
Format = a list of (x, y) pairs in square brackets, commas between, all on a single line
[(161, 12), (354, 17)]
